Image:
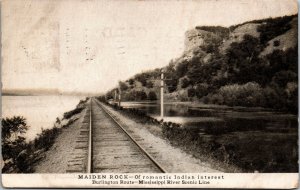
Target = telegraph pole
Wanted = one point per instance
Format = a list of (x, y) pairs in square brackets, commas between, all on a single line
[(115, 99), (119, 97), (162, 94)]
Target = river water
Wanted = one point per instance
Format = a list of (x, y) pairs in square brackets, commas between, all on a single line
[(39, 111), (194, 115)]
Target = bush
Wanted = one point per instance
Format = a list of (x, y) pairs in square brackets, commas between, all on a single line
[(217, 99), (46, 138), (69, 114), (206, 99), (249, 94), (292, 97)]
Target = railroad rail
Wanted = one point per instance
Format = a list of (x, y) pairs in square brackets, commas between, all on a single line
[(104, 145)]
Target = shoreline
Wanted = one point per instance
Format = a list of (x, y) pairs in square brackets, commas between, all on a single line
[(197, 104), (30, 153), (55, 160)]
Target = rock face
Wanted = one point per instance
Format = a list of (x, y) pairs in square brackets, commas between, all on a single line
[(199, 42), (200, 39), (194, 38), (284, 41)]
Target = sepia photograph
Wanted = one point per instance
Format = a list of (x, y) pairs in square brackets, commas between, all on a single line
[(149, 93)]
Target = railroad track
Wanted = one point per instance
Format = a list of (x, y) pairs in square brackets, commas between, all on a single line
[(105, 146)]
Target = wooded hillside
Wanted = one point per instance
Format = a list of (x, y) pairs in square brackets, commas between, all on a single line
[(250, 64)]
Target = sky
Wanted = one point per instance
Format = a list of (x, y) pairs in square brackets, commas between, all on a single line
[(90, 45)]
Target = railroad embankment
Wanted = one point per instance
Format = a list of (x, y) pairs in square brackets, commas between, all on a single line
[(56, 158)]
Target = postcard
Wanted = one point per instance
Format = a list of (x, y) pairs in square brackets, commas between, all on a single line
[(149, 94)]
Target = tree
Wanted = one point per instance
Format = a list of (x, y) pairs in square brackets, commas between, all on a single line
[(184, 82), (131, 81), (195, 72), (152, 96), (181, 69), (12, 128), (123, 86), (13, 143), (142, 77), (283, 77), (191, 92), (172, 78), (140, 95), (243, 59), (273, 28), (149, 84), (201, 90)]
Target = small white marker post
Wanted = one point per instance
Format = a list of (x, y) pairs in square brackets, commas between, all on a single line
[(162, 94)]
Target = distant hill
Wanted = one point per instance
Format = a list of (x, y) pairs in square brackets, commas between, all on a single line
[(28, 92), (250, 64), (42, 92)]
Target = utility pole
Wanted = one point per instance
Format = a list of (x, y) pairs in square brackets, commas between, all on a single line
[(119, 97), (115, 99), (162, 94)]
